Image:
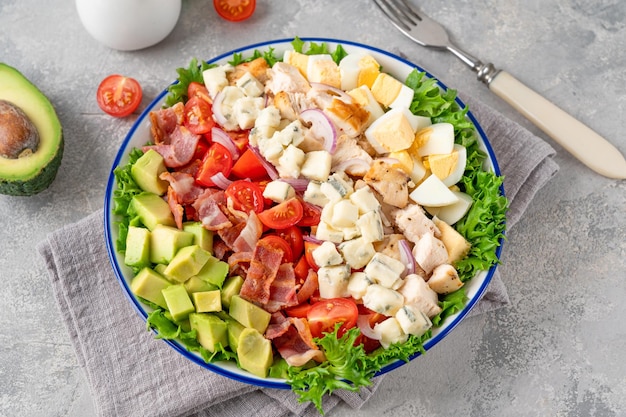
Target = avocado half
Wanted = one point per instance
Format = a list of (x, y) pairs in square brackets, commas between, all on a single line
[(33, 171)]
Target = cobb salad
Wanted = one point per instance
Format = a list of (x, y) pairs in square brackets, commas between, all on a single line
[(307, 216)]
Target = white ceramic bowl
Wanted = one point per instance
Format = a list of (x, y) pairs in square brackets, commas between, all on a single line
[(140, 134)]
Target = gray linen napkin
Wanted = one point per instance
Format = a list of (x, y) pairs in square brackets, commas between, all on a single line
[(132, 374)]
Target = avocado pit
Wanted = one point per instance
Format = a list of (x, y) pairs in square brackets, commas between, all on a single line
[(18, 135)]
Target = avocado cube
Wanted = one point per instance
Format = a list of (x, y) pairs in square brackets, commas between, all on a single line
[(146, 170), (248, 314), (152, 210), (187, 262), (207, 301), (254, 352), (202, 237), (178, 302), (160, 268), (234, 331), (195, 284), (137, 252), (232, 286), (214, 272), (149, 284), (210, 330), (165, 241)]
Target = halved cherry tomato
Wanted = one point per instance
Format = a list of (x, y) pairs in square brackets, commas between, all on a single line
[(311, 214), (293, 236), (249, 166), (281, 244), (309, 247), (246, 196), (301, 269), (301, 310), (262, 184), (217, 159), (197, 89), (234, 10), (201, 148), (119, 96), (324, 314), (198, 116), (283, 215), (240, 137)]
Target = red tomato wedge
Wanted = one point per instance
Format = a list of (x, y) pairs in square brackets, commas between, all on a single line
[(293, 236), (324, 314), (246, 196), (197, 89), (311, 214), (309, 247), (249, 166), (217, 159), (119, 96), (282, 215), (198, 116), (301, 269), (234, 10), (280, 244)]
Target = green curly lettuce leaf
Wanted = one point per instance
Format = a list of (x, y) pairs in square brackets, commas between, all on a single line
[(193, 73), (123, 195)]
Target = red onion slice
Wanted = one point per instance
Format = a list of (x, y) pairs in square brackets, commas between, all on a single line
[(298, 184), (364, 326), (271, 170), (224, 139), (217, 109), (322, 127), (406, 257), (312, 239), (221, 181)]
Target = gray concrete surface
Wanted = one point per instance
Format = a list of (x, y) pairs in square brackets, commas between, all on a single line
[(557, 350)]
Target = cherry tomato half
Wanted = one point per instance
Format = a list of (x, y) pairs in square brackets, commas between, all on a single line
[(197, 89), (311, 214), (198, 115), (119, 96), (234, 10), (246, 196), (324, 314), (217, 159), (249, 166), (293, 236), (280, 244), (283, 215), (309, 247)]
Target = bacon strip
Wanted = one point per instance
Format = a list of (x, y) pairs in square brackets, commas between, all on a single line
[(250, 234), (164, 121), (283, 289), (180, 150), (209, 212), (266, 261), (292, 338), (184, 186), (175, 207)]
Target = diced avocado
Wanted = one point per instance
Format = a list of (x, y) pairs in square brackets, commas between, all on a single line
[(234, 331), (31, 136), (178, 302), (152, 210), (207, 301), (248, 314), (149, 284), (165, 241), (214, 272), (160, 268), (254, 352), (195, 284), (202, 236), (187, 262), (232, 286), (137, 247), (184, 324), (146, 170), (210, 330)]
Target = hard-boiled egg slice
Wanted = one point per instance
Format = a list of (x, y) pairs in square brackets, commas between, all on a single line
[(322, 69), (386, 88), (358, 69), (391, 132), (433, 193), (434, 139), (404, 97), (453, 212), (458, 171)]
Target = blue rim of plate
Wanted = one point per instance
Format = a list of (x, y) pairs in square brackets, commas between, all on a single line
[(109, 222)]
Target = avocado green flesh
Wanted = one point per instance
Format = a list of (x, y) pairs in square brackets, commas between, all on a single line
[(33, 173)]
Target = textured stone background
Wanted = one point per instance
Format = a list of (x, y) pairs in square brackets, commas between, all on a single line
[(556, 350)]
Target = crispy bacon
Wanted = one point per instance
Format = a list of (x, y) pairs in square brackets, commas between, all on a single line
[(184, 186), (175, 207), (308, 287), (266, 261), (209, 212), (283, 289), (239, 261), (250, 234), (180, 150), (292, 338), (164, 121)]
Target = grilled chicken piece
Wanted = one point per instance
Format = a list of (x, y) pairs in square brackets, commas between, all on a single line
[(258, 68), (285, 77), (390, 182), (417, 292), (445, 279), (348, 150), (350, 118), (430, 252), (413, 223)]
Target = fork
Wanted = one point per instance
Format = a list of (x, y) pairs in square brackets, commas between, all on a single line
[(575, 137)]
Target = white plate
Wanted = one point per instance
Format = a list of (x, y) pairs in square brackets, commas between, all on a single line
[(139, 134)]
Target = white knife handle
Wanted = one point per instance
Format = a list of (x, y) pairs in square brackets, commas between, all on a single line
[(582, 142)]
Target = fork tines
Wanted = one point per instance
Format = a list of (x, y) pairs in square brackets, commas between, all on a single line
[(400, 12)]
